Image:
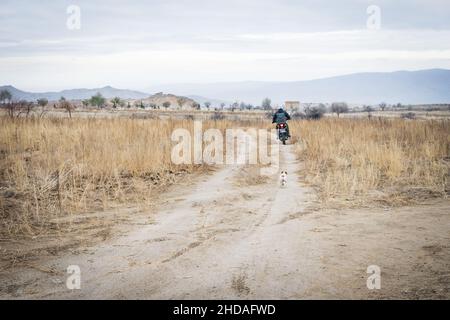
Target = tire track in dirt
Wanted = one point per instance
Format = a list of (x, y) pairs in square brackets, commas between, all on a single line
[(218, 239), (187, 221)]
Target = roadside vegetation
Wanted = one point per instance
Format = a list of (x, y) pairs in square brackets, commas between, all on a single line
[(54, 167), (51, 168), (354, 162)]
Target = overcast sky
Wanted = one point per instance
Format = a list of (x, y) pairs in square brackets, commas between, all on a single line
[(137, 44)]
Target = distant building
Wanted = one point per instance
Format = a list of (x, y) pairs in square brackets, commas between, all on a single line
[(292, 106)]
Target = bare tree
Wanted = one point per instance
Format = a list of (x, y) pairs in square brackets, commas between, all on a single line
[(11, 108), (27, 106), (180, 102), (382, 106), (166, 104), (218, 116), (207, 105), (314, 112), (66, 105), (369, 110), (266, 104), (222, 106), (339, 107), (16, 108), (408, 115)]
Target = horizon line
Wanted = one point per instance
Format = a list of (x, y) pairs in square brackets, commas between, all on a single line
[(224, 82)]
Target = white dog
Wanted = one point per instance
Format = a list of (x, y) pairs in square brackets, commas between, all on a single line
[(283, 178)]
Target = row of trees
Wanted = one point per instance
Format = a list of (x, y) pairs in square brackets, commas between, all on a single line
[(316, 112), (99, 101), (15, 108), (237, 105), (266, 104)]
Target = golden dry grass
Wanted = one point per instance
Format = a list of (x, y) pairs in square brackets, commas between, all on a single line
[(357, 161), (51, 168)]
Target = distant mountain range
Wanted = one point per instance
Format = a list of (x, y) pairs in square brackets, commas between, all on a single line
[(76, 94), (407, 87), (414, 87)]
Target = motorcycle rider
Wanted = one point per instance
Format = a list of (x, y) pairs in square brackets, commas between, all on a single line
[(281, 116)]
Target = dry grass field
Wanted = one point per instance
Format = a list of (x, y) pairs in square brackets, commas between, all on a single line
[(103, 193), (52, 167), (353, 162), (55, 167)]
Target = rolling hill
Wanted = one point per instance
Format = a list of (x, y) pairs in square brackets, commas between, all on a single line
[(75, 94), (407, 87), (415, 87)]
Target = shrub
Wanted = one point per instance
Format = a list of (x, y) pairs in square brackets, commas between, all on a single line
[(217, 116), (314, 113), (339, 107), (408, 115)]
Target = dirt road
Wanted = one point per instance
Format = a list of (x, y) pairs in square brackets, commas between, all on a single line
[(224, 238)]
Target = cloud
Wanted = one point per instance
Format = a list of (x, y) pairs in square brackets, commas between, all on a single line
[(134, 43)]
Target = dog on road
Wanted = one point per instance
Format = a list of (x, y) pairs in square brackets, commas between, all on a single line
[(283, 178)]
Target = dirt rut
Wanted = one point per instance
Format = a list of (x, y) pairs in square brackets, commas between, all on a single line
[(224, 239)]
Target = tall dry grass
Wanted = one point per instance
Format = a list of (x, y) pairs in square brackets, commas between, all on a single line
[(355, 161), (51, 168)]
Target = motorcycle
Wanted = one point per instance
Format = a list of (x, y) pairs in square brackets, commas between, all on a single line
[(282, 132)]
